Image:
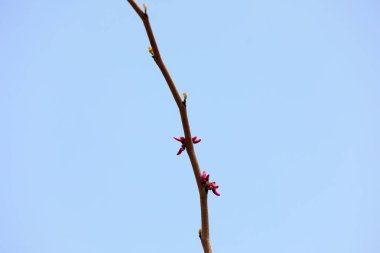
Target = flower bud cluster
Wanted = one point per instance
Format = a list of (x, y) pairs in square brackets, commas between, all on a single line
[(209, 185), (183, 141)]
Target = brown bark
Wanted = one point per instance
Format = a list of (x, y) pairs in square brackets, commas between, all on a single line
[(205, 238)]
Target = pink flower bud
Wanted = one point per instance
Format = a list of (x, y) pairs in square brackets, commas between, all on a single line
[(204, 176), (183, 141), (181, 150), (215, 192), (180, 139), (195, 140), (213, 185)]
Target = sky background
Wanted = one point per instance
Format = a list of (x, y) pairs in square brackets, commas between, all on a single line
[(284, 94)]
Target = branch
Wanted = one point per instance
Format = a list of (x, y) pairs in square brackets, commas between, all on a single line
[(205, 237)]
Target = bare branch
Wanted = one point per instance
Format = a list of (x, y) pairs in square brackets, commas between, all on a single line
[(205, 237)]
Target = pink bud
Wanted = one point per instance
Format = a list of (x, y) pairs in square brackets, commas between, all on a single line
[(196, 141), (213, 185), (204, 176), (180, 139), (215, 192), (180, 150)]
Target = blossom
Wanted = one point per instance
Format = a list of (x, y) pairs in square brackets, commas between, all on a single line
[(194, 139), (145, 7), (209, 185)]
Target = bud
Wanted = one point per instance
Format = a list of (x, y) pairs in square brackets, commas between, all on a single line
[(145, 7), (150, 49)]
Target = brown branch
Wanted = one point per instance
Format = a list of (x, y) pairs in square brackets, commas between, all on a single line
[(205, 237)]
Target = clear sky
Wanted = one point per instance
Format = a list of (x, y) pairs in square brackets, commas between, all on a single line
[(284, 94)]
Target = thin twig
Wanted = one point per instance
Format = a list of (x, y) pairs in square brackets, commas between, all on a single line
[(205, 238)]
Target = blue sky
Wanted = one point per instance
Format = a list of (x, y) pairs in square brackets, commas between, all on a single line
[(284, 94)]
